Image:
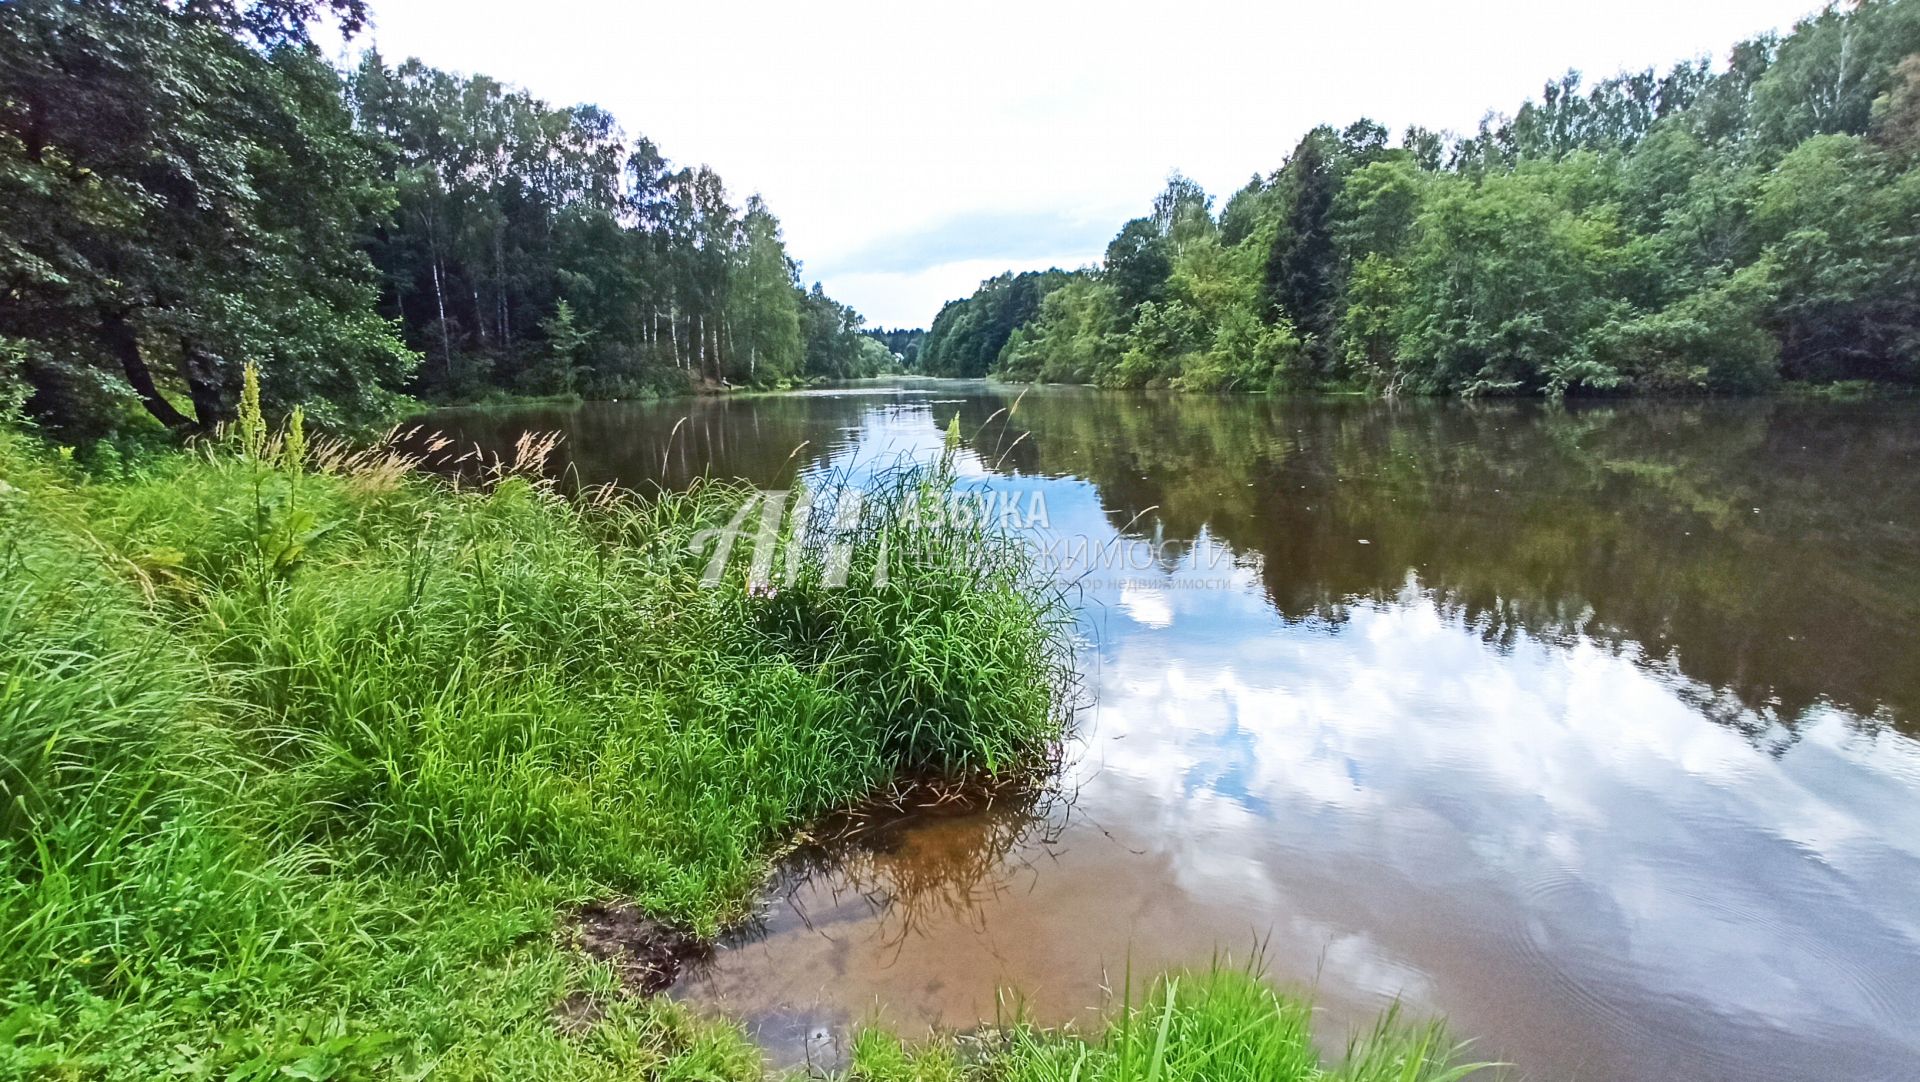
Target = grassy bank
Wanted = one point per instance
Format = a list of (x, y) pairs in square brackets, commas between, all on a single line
[(305, 757)]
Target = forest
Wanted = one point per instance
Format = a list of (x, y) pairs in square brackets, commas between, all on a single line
[(1717, 228), (189, 187)]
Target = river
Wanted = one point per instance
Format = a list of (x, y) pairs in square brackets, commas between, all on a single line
[(1591, 729)]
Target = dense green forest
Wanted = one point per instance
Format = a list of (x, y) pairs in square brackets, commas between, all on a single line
[(1716, 228), (188, 187)]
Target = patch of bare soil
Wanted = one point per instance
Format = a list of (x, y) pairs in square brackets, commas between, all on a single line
[(647, 955)]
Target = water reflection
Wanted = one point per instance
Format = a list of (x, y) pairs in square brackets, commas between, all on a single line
[(865, 902), (1588, 729)]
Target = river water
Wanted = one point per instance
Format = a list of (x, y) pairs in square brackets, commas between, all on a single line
[(1593, 730)]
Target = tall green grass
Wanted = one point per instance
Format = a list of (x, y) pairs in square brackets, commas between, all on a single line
[(301, 751), (1217, 1025)]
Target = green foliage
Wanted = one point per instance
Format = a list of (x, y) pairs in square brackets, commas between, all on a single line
[(1246, 354), (13, 378), (1370, 327), (669, 283), (1376, 209), (1697, 231), (765, 308), (191, 188), (1710, 339), (1507, 276), (1837, 218), (184, 188), (1138, 263), (1076, 338), (1825, 77), (902, 342), (835, 348), (969, 337), (301, 753), (558, 373), (1301, 274)]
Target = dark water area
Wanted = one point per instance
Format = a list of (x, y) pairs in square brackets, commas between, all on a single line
[(1593, 730)]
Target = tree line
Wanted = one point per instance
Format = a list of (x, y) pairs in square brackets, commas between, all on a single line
[(1707, 229), (186, 187), (903, 342)]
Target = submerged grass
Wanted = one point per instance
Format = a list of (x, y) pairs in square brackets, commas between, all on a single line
[(302, 753)]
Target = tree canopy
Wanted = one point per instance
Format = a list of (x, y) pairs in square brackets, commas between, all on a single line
[(186, 188), (1713, 228)]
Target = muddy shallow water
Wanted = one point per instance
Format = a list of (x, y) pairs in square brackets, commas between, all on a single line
[(1593, 730)]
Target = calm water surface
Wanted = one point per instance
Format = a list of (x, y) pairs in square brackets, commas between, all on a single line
[(1593, 730)]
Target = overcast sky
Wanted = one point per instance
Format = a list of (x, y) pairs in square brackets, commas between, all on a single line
[(912, 149)]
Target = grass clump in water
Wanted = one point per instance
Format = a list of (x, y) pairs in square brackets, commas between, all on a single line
[(1218, 1025), (301, 752)]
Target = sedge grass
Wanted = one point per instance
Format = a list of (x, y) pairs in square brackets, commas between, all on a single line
[(1222, 1024)]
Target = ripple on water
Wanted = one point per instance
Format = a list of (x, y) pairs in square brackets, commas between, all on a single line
[(1613, 984)]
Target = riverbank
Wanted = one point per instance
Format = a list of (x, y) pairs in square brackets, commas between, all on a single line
[(1801, 391), (496, 399), (312, 762)]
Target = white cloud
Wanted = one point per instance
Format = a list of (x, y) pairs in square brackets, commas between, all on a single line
[(865, 123)]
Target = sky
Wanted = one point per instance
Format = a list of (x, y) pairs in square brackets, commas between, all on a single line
[(912, 149)]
